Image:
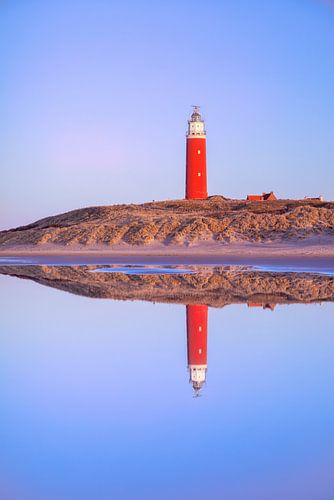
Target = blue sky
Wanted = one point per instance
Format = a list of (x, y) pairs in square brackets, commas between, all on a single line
[(94, 392), (95, 95)]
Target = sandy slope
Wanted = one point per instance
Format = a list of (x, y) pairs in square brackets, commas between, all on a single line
[(178, 223)]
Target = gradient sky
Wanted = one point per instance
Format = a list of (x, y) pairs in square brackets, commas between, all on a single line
[(96, 404), (95, 95)]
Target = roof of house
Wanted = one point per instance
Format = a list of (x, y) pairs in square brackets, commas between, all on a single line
[(271, 195)]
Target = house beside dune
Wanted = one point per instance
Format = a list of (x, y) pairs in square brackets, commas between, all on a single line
[(314, 198), (262, 197)]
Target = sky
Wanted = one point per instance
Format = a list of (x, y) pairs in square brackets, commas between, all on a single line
[(95, 97), (96, 401)]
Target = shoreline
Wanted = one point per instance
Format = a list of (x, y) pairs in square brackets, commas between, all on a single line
[(292, 255)]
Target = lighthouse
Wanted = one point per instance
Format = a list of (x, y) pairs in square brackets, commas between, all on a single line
[(197, 334), (196, 183)]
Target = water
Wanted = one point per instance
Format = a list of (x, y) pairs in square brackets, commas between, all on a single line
[(96, 401), (139, 270)]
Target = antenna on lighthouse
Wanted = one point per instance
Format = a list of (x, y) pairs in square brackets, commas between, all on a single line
[(196, 110)]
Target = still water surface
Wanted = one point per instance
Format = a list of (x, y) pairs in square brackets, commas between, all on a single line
[(96, 401)]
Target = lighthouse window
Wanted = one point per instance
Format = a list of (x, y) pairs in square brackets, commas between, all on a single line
[(199, 174), (199, 328), (198, 151)]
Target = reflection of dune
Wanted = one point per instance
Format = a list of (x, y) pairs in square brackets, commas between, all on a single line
[(215, 287)]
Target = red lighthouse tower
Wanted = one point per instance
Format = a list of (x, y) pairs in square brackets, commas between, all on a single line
[(197, 334), (196, 184)]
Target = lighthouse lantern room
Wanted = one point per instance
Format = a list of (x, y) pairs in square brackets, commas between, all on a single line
[(196, 182)]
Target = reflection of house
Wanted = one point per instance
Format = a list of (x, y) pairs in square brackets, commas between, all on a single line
[(197, 333), (263, 305), (262, 197)]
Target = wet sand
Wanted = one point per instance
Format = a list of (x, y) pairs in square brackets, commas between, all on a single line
[(287, 258)]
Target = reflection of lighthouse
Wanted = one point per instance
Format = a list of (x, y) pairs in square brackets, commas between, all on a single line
[(197, 332), (196, 158)]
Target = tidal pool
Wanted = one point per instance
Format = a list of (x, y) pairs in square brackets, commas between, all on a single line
[(138, 270), (99, 397)]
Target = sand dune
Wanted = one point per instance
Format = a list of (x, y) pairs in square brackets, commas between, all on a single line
[(178, 223)]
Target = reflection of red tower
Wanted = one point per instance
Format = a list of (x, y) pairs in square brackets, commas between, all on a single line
[(196, 187), (197, 333)]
